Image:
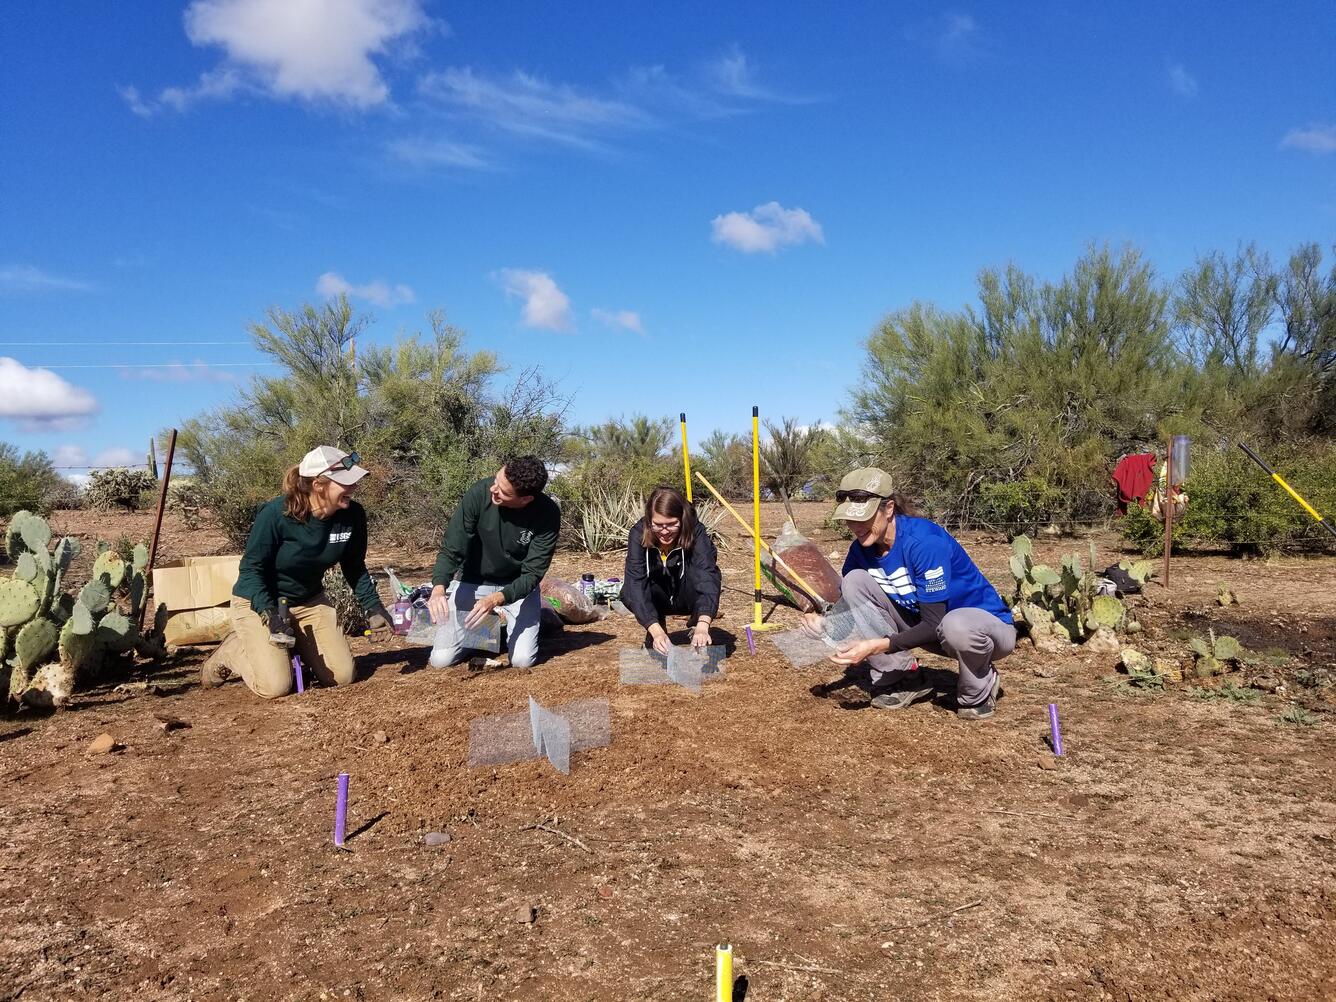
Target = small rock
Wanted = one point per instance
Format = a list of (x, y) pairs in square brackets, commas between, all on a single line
[(526, 914), (604, 891), (380, 738), (436, 838), (1045, 762), (102, 745)]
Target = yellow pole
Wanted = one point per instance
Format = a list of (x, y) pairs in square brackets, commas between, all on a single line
[(723, 973), (686, 457), (812, 592), (756, 513)]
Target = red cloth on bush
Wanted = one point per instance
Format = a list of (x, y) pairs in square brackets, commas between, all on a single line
[(1134, 477)]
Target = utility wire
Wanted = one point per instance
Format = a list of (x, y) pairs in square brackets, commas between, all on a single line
[(156, 344), (148, 365)]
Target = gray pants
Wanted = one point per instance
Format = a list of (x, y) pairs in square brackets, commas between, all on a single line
[(974, 637), (523, 617)]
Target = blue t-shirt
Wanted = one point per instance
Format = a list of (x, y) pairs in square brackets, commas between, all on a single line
[(926, 564)]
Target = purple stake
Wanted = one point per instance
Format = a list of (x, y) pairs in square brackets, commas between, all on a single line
[(751, 640), (1057, 730), (341, 810), (297, 670)]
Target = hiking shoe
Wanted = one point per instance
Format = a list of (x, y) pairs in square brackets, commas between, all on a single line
[(906, 692), (984, 711)]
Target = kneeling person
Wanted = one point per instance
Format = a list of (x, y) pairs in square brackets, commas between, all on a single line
[(313, 525), (908, 578), (500, 541)]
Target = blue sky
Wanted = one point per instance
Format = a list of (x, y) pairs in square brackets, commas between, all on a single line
[(667, 207)]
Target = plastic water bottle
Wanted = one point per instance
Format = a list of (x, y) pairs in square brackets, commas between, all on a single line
[(402, 616), (587, 587)]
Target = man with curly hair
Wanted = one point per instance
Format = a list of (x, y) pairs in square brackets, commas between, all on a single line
[(500, 542)]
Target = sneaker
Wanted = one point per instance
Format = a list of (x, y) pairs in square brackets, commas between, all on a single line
[(904, 693), (984, 711)]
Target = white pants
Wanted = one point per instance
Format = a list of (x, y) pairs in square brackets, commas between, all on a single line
[(522, 621)]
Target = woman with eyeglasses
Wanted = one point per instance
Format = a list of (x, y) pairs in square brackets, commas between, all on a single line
[(909, 584), (672, 569), (279, 605)]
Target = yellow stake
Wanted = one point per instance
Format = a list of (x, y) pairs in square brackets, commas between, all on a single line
[(812, 592), (723, 973), (686, 458), (756, 513)]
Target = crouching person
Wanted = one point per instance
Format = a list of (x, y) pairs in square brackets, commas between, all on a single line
[(909, 580), (296, 538), (500, 542)]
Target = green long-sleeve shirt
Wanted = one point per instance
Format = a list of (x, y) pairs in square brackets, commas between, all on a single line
[(288, 559), (511, 547)]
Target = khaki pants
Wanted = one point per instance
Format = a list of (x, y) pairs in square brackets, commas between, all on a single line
[(267, 669)]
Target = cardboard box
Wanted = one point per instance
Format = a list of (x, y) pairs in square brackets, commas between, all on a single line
[(197, 592)]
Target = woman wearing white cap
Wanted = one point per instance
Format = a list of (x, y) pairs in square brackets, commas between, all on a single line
[(279, 601), (909, 584)]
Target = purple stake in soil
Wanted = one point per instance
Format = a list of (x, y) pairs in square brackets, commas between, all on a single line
[(1057, 730), (751, 640), (297, 671), (341, 810)]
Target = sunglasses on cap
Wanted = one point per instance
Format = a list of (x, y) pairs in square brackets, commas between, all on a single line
[(858, 497), (346, 463)]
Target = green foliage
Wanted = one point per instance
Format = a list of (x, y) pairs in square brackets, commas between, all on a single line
[(726, 461), (186, 500), (1232, 502), (789, 455), (1299, 716), (28, 482), (1064, 606), (1229, 692), (120, 489), (1216, 655), (347, 609), (427, 417)]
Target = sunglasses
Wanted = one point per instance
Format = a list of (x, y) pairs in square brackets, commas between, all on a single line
[(346, 463), (858, 497)]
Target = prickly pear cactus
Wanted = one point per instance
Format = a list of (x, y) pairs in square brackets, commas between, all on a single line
[(18, 602), (95, 596), (26, 569), (110, 567), (34, 642), (1062, 605), (116, 633), (1107, 611), (78, 650)]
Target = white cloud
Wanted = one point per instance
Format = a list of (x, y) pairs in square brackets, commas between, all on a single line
[(69, 455), (528, 105), (378, 292), (307, 50), (732, 75), (546, 307), (955, 38), (119, 456), (426, 154), (21, 278), (179, 372), (624, 319), (39, 399), (1315, 138), (766, 228), (1184, 84)]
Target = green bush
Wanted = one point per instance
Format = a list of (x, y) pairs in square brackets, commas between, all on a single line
[(1232, 502), (28, 482), (121, 488)]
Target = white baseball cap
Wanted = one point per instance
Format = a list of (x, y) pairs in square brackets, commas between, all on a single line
[(337, 465)]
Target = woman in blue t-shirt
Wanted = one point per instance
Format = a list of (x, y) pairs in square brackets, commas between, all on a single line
[(908, 584)]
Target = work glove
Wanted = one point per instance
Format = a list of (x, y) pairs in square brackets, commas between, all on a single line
[(379, 626), (279, 624)]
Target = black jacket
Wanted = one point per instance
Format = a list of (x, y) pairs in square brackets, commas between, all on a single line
[(690, 577)]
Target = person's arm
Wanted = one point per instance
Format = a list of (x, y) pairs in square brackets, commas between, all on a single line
[(705, 570), (635, 582), (922, 632), (257, 561), (454, 544), (353, 564), (538, 558)]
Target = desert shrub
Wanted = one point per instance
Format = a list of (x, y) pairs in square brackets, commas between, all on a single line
[(186, 500), (67, 497), (351, 616), (1232, 502), (27, 482), (108, 490)]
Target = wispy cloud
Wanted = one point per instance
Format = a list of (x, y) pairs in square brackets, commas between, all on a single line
[(955, 38), (1316, 138), (546, 307), (627, 320), (766, 229), (1183, 83), (179, 372), (318, 51), (434, 154), (17, 279), (733, 75), (378, 292), (39, 400)]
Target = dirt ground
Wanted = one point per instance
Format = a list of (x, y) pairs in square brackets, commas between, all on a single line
[(1183, 848)]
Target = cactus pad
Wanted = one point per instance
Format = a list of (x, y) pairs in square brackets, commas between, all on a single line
[(116, 633), (1200, 647), (35, 641), (77, 649), (95, 596), (81, 620), (18, 682), (18, 602), (1022, 547), (66, 550), (1043, 575), (1106, 611), (36, 533), (110, 567), (26, 569), (139, 560), (1018, 568), (1228, 649)]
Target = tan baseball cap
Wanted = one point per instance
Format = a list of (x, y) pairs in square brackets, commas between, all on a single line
[(869, 487), (337, 465)]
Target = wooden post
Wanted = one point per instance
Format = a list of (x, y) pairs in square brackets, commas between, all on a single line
[(157, 525), (1168, 509)]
